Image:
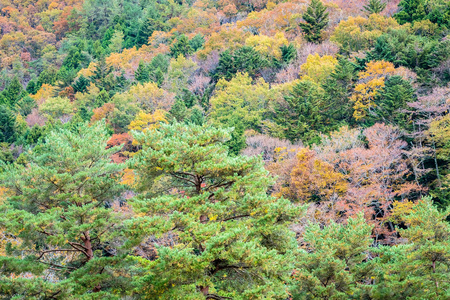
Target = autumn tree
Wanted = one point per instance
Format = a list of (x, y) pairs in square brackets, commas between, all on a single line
[(59, 207), (316, 19), (215, 208)]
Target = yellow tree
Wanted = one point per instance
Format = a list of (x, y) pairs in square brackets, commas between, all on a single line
[(317, 68), (370, 82)]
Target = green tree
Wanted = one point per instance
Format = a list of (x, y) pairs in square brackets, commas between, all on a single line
[(197, 42), (301, 114), (7, 124), (410, 11), (181, 47), (338, 87), (316, 19), (81, 84), (13, 93), (333, 261), (375, 7), (418, 269), (392, 98), (59, 207), (142, 73), (230, 239)]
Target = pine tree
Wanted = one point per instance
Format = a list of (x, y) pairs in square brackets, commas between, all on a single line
[(59, 208), (301, 115), (215, 208), (142, 73), (337, 90), (333, 263), (14, 92), (375, 7), (7, 124), (237, 140), (181, 47), (225, 69), (288, 53), (411, 10), (197, 42), (419, 268), (316, 19), (392, 98), (81, 84)]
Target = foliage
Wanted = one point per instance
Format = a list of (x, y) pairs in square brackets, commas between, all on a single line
[(57, 208), (224, 225), (316, 19)]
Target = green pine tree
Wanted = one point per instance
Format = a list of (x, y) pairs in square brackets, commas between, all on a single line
[(142, 73), (13, 93), (7, 124), (333, 262), (59, 208), (229, 238), (301, 115), (316, 19), (181, 47), (375, 7)]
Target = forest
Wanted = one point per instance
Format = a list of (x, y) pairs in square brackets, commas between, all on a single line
[(230, 149)]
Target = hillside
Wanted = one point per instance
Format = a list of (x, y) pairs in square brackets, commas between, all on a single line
[(199, 149)]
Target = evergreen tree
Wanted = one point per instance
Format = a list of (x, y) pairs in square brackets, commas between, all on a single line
[(316, 19), (411, 11), (333, 262), (418, 269), (225, 69), (31, 87), (59, 208), (301, 115), (81, 84), (26, 105), (197, 116), (232, 239), (375, 7), (197, 42), (142, 73), (393, 97), (13, 93), (288, 53), (181, 47), (237, 140), (338, 87), (247, 60), (102, 98), (7, 124)]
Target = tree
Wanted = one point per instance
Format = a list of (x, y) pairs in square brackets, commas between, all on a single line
[(142, 73), (214, 223), (316, 19), (181, 47), (338, 87), (418, 268), (7, 124), (81, 84), (300, 113), (197, 42), (334, 261), (239, 98), (411, 10), (59, 207), (13, 93), (375, 7), (116, 42)]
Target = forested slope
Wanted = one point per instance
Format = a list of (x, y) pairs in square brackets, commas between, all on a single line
[(160, 149)]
